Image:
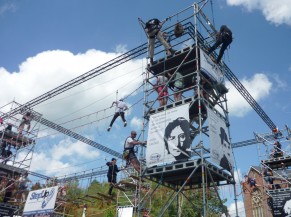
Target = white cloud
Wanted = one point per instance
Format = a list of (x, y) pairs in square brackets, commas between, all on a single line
[(58, 159), (259, 86), (48, 165), (121, 49), (280, 84), (238, 176), (277, 12), (49, 69), (67, 148), (7, 7), (136, 123), (232, 210)]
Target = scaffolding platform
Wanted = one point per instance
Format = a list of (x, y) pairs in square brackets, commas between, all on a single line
[(8, 169), (175, 104), (176, 174), (275, 163), (171, 63), (280, 190), (15, 139)]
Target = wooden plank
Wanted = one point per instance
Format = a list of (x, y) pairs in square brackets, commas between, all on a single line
[(109, 197), (118, 187), (98, 198), (128, 184), (136, 178)]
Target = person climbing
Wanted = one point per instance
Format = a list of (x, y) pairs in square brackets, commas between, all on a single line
[(112, 174), (129, 154), (153, 30), (252, 183), (224, 37), (25, 121), (119, 111)]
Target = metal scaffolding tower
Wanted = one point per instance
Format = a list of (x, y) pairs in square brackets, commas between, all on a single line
[(17, 147), (204, 96)]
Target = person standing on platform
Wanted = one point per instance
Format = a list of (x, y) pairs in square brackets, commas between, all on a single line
[(161, 87), (152, 28), (23, 180), (128, 153), (119, 111), (224, 38), (178, 86), (25, 121), (112, 174), (278, 152)]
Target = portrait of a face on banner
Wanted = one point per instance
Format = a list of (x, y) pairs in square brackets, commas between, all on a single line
[(169, 136), (220, 147)]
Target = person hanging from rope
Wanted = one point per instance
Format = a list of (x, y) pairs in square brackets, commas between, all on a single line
[(119, 111), (129, 154), (112, 174), (25, 121), (252, 183), (224, 37), (153, 31)]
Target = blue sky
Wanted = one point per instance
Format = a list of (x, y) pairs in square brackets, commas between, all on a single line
[(46, 43)]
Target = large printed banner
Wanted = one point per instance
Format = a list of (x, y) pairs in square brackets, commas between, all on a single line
[(281, 202), (220, 147), (209, 68), (169, 136), (40, 202)]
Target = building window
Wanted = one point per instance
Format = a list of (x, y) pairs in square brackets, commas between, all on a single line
[(257, 203)]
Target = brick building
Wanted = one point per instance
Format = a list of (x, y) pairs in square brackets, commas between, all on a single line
[(258, 201)]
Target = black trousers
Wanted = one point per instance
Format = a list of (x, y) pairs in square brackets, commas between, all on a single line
[(111, 179), (116, 116), (225, 41), (7, 196)]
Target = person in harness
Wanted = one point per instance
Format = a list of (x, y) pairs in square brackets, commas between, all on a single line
[(129, 154), (119, 111), (112, 174), (153, 30), (224, 37)]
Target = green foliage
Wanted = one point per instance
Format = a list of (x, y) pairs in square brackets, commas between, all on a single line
[(188, 205)]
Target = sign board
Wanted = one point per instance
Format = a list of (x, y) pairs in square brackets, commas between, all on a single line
[(220, 147), (169, 136), (41, 202), (281, 202), (125, 211), (208, 67)]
